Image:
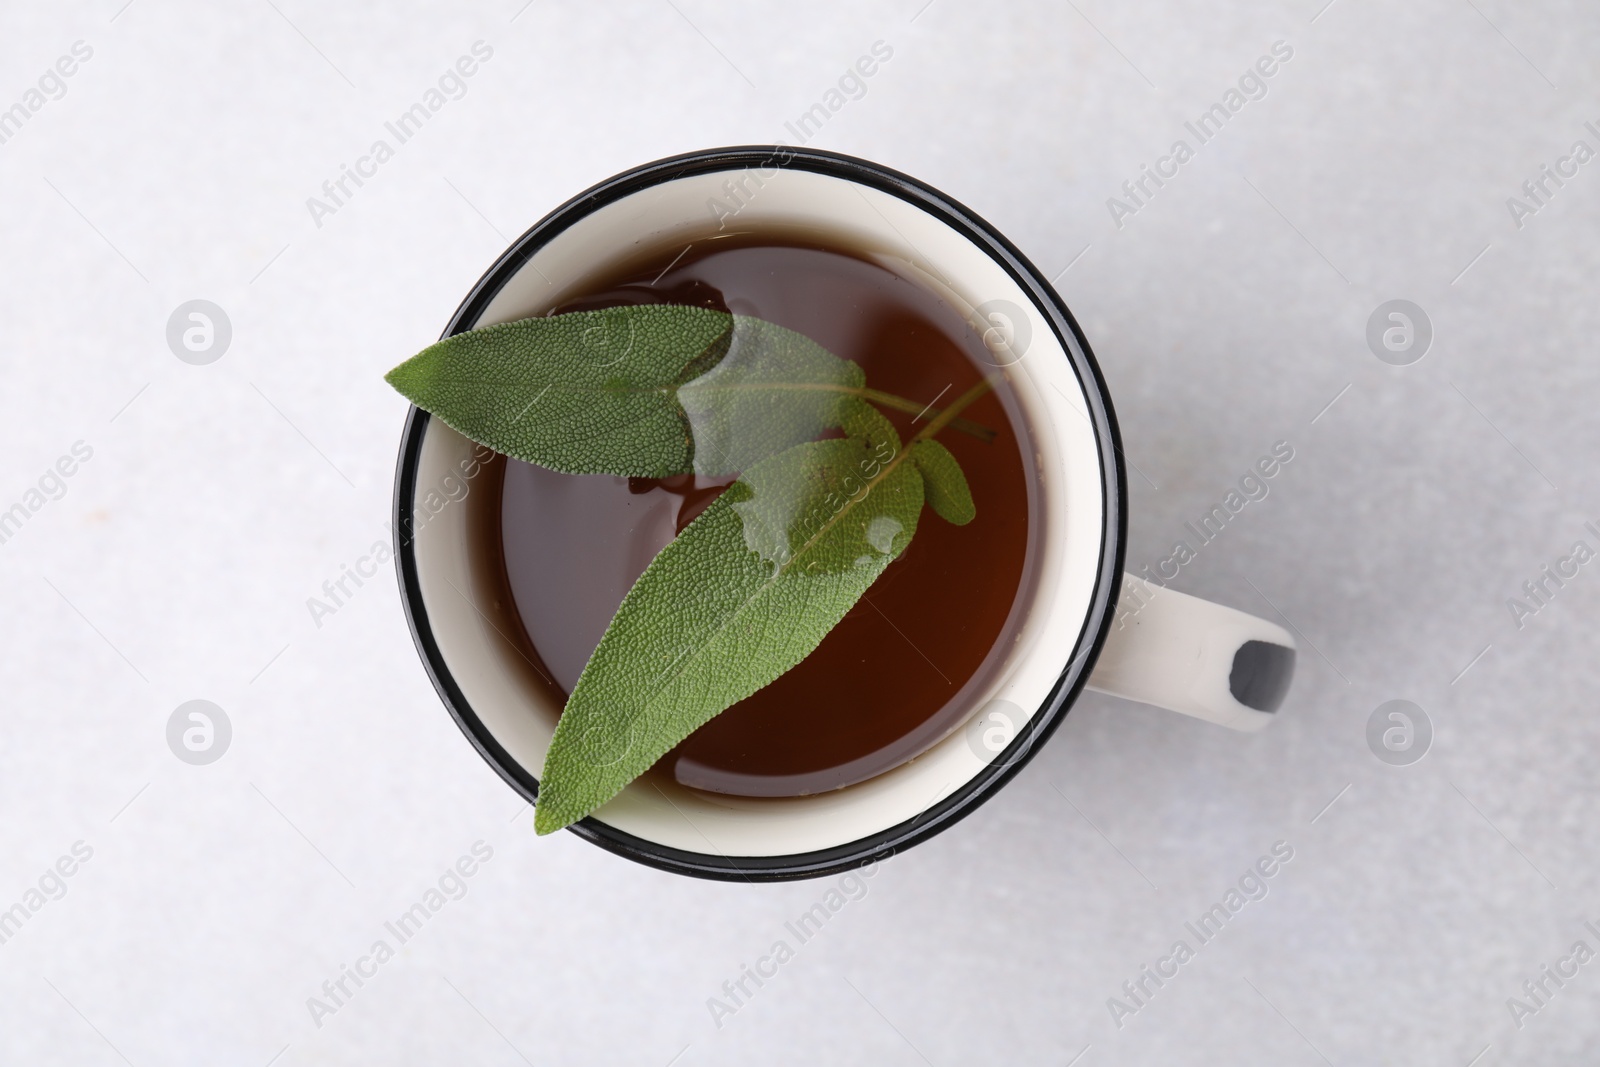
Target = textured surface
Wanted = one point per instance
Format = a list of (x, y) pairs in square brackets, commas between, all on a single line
[(1228, 313), (744, 593), (591, 392)]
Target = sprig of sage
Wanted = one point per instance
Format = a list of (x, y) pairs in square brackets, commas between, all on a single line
[(645, 392), (759, 578)]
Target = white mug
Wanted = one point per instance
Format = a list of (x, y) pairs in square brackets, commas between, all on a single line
[(1084, 624)]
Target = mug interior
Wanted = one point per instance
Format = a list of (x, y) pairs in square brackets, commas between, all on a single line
[(1053, 414)]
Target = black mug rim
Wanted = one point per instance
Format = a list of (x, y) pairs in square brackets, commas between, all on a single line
[(1091, 638)]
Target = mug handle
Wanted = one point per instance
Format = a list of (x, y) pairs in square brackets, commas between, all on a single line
[(1192, 656)]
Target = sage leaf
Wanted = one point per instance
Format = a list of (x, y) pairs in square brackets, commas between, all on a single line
[(645, 391), (745, 592), (774, 388), (860, 419), (947, 489)]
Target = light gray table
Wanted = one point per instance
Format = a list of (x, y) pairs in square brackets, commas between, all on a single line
[(1228, 311)]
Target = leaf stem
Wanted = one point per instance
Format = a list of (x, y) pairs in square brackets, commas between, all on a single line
[(911, 407), (948, 417)]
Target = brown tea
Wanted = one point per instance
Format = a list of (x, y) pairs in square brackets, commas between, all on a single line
[(907, 663)]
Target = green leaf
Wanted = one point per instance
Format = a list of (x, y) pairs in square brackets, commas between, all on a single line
[(774, 388), (860, 419), (947, 488), (647, 391), (746, 592)]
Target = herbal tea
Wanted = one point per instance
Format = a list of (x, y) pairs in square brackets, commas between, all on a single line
[(907, 661)]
